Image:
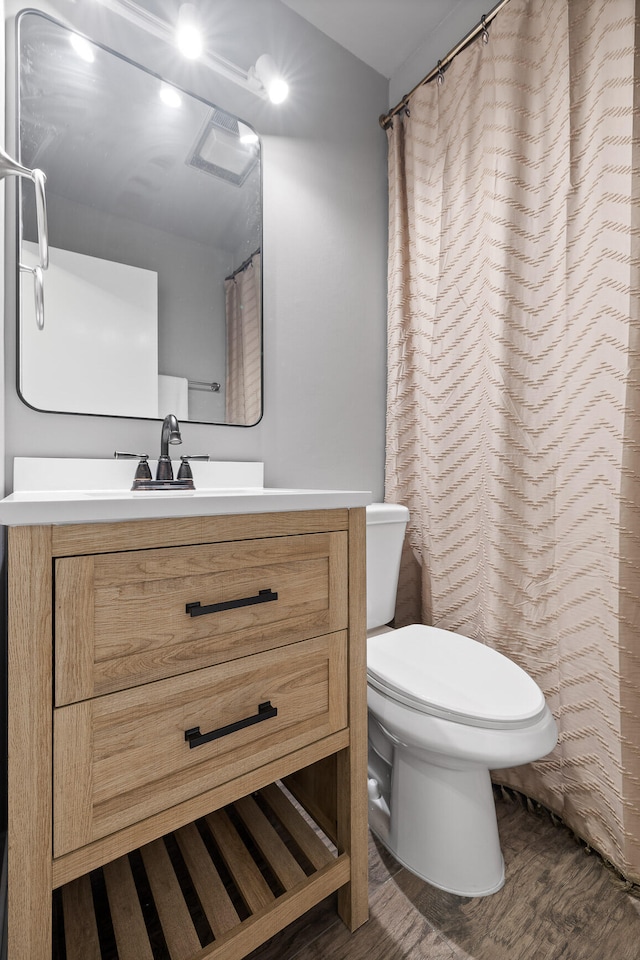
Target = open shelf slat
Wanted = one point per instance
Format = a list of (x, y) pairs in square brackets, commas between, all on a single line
[(284, 864), (182, 940), (304, 835), (128, 922), (250, 882), (216, 903)]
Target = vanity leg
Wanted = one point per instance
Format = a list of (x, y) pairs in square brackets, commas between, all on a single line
[(353, 899), (30, 733)]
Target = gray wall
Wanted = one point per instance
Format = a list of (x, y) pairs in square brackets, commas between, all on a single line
[(461, 18), (324, 260)]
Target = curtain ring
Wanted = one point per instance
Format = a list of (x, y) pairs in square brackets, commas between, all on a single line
[(440, 73), (485, 32)]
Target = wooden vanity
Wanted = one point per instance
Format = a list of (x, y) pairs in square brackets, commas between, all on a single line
[(187, 732)]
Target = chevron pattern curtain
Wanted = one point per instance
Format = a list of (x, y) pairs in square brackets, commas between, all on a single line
[(514, 382), (243, 403)]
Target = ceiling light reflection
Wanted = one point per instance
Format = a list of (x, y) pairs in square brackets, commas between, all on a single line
[(170, 96), (273, 82), (188, 32), (82, 47)]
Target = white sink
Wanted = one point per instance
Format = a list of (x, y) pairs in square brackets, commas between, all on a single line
[(50, 490), (96, 477)]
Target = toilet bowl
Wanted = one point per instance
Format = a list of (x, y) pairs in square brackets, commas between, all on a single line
[(444, 710)]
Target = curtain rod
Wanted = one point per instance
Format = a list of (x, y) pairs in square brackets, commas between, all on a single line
[(244, 265), (386, 118)]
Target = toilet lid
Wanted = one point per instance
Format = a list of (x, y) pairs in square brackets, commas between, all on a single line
[(447, 675)]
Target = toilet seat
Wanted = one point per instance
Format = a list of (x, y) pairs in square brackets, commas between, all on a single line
[(447, 675)]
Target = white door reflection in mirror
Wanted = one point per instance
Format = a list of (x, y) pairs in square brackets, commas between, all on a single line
[(100, 355)]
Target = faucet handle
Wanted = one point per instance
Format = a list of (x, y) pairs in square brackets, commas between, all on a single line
[(143, 471), (184, 473)]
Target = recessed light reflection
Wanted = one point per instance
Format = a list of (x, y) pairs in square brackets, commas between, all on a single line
[(82, 47), (170, 96)]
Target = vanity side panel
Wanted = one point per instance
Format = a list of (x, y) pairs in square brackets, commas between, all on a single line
[(316, 788), (353, 899), (30, 731)]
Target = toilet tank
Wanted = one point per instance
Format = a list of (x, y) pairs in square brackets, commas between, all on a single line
[(386, 524)]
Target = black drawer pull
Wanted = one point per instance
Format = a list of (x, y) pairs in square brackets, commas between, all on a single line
[(197, 610), (195, 739)]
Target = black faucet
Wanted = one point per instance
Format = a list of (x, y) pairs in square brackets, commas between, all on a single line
[(170, 434)]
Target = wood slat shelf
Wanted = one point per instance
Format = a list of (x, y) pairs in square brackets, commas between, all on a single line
[(216, 888)]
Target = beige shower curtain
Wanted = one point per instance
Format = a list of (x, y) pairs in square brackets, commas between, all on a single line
[(514, 391), (244, 344)]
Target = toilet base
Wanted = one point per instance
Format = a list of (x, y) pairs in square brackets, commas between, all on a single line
[(442, 824)]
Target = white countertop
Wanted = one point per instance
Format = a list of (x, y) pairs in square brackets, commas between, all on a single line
[(87, 503), (68, 506)]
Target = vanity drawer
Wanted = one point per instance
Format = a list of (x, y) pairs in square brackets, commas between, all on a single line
[(122, 619), (124, 757)]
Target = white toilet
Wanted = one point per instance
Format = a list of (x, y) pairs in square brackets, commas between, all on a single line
[(444, 710)]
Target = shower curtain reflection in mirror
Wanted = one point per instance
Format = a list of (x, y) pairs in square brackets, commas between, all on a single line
[(244, 354)]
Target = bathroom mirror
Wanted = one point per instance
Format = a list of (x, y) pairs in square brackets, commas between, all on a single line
[(152, 300)]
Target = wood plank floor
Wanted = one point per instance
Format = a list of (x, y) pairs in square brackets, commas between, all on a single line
[(558, 903)]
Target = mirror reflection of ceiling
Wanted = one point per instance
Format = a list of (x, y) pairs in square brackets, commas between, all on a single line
[(153, 136), (382, 33), (155, 230)]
